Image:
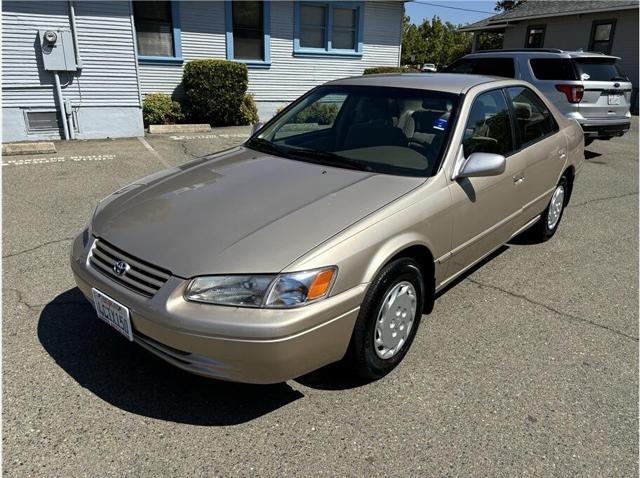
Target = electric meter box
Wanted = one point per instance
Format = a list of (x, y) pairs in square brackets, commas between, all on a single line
[(57, 49)]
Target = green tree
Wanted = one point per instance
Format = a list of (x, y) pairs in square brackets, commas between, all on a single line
[(506, 5), (433, 41)]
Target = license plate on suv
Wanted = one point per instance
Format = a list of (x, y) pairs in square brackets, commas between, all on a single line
[(615, 99), (113, 313)]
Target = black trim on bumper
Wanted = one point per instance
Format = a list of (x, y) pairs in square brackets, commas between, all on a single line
[(605, 130)]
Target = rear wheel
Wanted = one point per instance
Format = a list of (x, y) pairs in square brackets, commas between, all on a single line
[(388, 320), (548, 223)]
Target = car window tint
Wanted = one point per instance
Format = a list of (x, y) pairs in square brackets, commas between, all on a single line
[(533, 118), (484, 66), (596, 69), (488, 129), (553, 69)]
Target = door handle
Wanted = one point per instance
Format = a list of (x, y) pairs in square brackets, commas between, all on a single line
[(562, 153), (518, 178)]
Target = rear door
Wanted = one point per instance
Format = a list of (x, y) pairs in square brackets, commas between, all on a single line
[(607, 91), (540, 146)]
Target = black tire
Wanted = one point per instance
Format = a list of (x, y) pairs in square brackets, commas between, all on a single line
[(362, 357), (540, 231)]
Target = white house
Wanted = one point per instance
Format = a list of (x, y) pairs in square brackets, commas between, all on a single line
[(111, 53)]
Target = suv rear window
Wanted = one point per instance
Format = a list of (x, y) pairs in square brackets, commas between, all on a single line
[(599, 69), (553, 69), (483, 66)]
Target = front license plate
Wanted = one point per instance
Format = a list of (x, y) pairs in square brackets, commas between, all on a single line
[(615, 99), (113, 313)]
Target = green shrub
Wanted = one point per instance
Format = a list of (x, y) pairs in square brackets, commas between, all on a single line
[(159, 108), (320, 113), (215, 91), (387, 69), (248, 110)]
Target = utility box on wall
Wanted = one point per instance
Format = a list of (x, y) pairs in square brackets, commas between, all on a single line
[(57, 50)]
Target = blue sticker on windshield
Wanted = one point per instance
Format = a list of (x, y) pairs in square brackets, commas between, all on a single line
[(441, 123)]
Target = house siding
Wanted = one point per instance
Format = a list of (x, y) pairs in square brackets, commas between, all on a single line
[(105, 92), (289, 76), (572, 32)]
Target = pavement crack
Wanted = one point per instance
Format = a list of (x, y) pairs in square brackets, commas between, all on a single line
[(39, 246), (603, 199), (186, 151), (54, 302), (551, 309)]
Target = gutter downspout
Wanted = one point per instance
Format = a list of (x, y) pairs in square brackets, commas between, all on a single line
[(72, 23), (56, 80)]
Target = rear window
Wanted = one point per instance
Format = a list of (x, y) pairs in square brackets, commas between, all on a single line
[(483, 66), (553, 69), (599, 69)]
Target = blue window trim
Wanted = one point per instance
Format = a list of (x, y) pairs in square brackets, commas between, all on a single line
[(177, 40), (266, 25), (328, 50)]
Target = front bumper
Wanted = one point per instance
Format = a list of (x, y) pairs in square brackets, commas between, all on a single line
[(229, 343)]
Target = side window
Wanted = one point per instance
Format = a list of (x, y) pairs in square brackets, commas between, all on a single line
[(317, 116), (533, 118), (484, 66), (488, 128), (553, 69)]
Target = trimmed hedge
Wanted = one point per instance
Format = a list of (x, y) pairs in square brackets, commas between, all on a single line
[(216, 92), (159, 108), (249, 110), (320, 113), (387, 69)]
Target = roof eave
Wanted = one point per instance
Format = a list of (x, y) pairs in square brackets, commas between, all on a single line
[(493, 26)]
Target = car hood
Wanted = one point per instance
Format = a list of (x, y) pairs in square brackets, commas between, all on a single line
[(240, 211)]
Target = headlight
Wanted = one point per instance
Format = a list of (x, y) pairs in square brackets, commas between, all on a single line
[(263, 290)]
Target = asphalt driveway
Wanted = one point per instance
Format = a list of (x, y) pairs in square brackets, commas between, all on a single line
[(528, 365)]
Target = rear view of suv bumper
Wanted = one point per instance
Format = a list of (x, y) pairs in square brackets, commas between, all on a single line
[(605, 129)]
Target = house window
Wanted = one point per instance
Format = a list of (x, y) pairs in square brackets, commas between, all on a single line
[(157, 30), (328, 28), (248, 37), (535, 36), (602, 36)]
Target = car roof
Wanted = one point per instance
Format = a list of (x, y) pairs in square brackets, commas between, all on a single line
[(446, 82), (541, 53)]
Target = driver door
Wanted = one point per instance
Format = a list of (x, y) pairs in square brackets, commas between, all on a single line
[(485, 210)]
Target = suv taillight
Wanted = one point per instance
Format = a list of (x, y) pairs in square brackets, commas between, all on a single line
[(573, 93)]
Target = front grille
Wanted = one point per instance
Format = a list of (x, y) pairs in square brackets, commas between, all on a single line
[(141, 277)]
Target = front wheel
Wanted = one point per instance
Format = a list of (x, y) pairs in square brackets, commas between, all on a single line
[(548, 223), (388, 320)]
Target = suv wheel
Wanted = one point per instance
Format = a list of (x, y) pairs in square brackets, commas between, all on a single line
[(388, 320)]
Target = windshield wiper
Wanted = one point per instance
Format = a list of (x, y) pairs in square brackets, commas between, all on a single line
[(332, 159), (268, 147)]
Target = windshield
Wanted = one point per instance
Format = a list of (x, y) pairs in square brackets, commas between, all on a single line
[(599, 69), (378, 129)]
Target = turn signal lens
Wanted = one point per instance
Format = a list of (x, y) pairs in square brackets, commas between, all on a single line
[(320, 284)]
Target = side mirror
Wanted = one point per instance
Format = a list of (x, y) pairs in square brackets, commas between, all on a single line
[(255, 127), (482, 164)]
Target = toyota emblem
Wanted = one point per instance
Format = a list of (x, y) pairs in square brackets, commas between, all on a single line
[(121, 267)]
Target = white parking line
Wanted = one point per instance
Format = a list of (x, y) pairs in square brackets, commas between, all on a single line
[(149, 148), (208, 136), (57, 159)]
